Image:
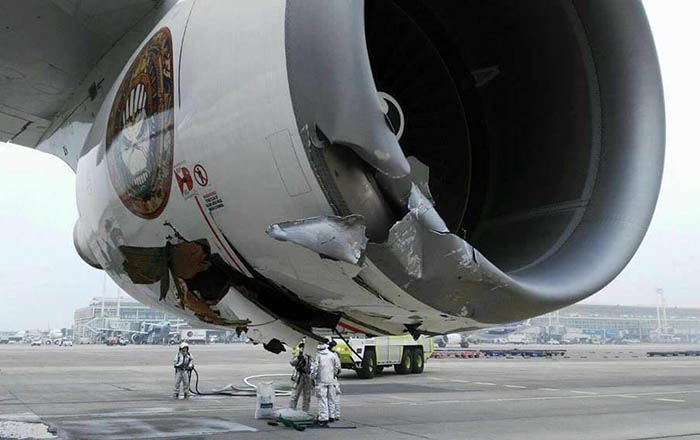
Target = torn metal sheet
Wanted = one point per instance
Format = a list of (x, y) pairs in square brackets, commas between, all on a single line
[(339, 238), (420, 176), (425, 212), (440, 269), (399, 190)]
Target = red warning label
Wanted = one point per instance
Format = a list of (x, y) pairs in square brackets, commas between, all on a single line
[(184, 181), (200, 175)]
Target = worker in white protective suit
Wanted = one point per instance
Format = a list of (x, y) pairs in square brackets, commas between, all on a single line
[(183, 364), (302, 385), (334, 403), (324, 371)]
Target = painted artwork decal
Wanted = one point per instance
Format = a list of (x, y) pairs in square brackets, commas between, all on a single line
[(139, 141)]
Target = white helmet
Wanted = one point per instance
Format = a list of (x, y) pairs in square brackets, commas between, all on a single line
[(184, 345)]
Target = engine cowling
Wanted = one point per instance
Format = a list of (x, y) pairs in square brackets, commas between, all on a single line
[(436, 166), (540, 125)]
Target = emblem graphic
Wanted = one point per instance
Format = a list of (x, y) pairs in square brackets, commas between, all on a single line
[(139, 141)]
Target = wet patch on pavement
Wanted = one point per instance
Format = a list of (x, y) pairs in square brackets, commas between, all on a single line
[(114, 428)]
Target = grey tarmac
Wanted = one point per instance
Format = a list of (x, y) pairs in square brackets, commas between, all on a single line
[(597, 392)]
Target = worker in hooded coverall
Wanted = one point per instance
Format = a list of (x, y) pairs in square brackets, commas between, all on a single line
[(334, 403), (325, 369), (183, 366), (301, 379)]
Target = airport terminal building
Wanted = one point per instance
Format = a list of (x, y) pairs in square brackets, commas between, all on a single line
[(576, 323), (117, 314), (642, 323)]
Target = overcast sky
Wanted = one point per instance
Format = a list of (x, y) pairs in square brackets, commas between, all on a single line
[(42, 279)]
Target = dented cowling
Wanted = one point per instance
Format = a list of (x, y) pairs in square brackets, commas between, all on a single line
[(332, 237), (336, 85), (543, 160), (80, 243)]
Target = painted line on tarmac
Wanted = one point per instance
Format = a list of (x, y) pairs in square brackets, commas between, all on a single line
[(514, 386), (670, 400), (404, 399), (661, 393), (497, 400), (494, 400), (578, 396), (460, 381), (484, 383), (582, 392), (548, 389)]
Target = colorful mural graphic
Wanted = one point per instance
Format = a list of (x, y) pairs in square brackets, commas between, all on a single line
[(139, 142)]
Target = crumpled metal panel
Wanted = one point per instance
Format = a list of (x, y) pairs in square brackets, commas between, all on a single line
[(331, 82), (437, 267), (425, 212), (399, 189), (339, 238)]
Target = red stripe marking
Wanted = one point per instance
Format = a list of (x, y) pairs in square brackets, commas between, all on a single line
[(351, 328), (217, 236)]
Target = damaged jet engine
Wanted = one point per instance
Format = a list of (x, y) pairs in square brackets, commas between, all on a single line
[(380, 166)]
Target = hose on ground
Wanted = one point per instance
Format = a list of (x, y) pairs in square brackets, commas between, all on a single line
[(249, 390)]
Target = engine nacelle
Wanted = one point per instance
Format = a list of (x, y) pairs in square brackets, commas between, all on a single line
[(542, 127), (380, 166), (541, 124)]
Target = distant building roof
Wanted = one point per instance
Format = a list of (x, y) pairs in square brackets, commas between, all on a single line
[(639, 311)]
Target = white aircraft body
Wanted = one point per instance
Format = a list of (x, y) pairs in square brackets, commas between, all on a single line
[(490, 334), (378, 167)]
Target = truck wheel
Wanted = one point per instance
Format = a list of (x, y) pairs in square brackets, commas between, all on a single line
[(369, 364), (406, 364), (418, 360)]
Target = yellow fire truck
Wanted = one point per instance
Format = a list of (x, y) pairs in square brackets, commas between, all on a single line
[(368, 356)]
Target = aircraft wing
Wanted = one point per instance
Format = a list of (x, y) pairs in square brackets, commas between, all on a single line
[(50, 63)]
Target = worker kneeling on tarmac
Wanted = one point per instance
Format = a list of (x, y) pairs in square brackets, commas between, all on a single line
[(301, 380), (325, 369), (183, 367)]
